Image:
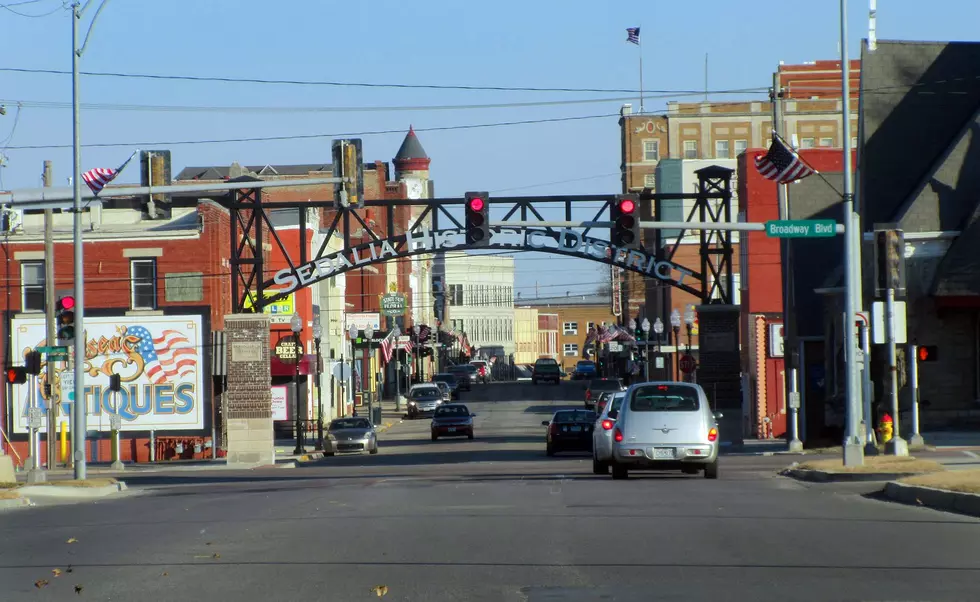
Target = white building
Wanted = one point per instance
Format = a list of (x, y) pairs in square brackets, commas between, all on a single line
[(480, 298)]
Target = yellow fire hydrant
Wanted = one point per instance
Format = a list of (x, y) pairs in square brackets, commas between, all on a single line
[(885, 428)]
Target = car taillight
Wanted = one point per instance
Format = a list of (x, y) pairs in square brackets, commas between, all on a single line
[(588, 395), (618, 435), (713, 435), (607, 425), (553, 428)]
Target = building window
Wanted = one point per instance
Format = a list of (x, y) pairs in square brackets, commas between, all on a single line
[(590, 325), (806, 143), (651, 150), (143, 275), (854, 142), (690, 149), (740, 146), (721, 149), (32, 283), (570, 328), (571, 349), (650, 180), (826, 142)]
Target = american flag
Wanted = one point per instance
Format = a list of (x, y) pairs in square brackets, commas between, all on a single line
[(406, 345), (164, 357), (633, 35), (100, 176), (388, 346), (781, 164)]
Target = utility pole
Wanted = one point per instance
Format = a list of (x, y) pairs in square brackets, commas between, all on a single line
[(78, 426), (49, 326), (853, 451), (789, 326)]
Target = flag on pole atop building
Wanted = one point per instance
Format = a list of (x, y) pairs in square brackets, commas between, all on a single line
[(100, 176), (781, 164), (633, 35)]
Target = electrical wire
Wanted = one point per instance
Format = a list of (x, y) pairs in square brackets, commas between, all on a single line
[(20, 14), (316, 136)]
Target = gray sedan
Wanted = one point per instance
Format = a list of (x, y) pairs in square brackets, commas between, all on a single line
[(347, 435), (602, 434)]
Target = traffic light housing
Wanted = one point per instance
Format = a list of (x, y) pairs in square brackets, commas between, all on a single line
[(65, 319), (624, 214), (32, 362), (348, 164), (477, 219), (16, 375), (889, 262), (115, 383), (927, 353)]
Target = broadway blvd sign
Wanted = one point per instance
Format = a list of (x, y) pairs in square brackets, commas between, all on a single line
[(558, 241)]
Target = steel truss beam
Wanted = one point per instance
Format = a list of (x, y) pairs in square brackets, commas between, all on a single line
[(366, 243)]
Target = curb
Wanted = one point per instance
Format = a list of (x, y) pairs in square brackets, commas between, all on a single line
[(822, 476), (70, 492), (17, 503), (937, 499)]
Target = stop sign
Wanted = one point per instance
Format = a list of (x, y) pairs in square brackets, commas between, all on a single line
[(687, 364)]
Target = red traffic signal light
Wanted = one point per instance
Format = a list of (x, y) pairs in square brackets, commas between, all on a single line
[(476, 204), (927, 353), (627, 206), (16, 375), (66, 303)]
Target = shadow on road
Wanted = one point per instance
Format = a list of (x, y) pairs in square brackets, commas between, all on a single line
[(550, 410)]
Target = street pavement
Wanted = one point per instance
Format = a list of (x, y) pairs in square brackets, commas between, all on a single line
[(488, 519)]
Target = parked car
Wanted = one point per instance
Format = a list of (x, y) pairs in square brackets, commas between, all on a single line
[(464, 375), (602, 434), (451, 380), (452, 420), (546, 369), (569, 430), (585, 370), (447, 392), (482, 371), (665, 426), (351, 435), (598, 385), (424, 399)]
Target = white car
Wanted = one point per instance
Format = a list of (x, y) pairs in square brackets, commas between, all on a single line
[(665, 426), (602, 434)]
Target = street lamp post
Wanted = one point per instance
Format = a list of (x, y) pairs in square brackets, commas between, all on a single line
[(658, 329), (296, 325), (368, 377), (645, 327), (397, 332), (689, 322), (675, 324), (348, 382), (317, 334)]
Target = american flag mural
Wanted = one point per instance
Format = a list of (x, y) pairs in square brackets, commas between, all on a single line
[(166, 356)]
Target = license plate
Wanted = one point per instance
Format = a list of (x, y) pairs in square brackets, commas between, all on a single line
[(451, 429), (575, 429), (663, 453)]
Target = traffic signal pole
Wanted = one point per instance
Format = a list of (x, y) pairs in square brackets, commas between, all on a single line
[(896, 445), (78, 425), (49, 326), (915, 439)]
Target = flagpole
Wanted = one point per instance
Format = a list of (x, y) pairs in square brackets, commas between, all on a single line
[(639, 42)]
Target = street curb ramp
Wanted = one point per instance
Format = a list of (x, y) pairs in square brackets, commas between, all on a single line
[(29, 491), (937, 499), (822, 476)]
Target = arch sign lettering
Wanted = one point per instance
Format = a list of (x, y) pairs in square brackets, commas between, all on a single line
[(548, 240)]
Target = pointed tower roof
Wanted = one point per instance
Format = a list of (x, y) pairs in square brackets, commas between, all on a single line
[(411, 148)]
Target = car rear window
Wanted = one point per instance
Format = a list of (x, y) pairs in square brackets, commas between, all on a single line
[(453, 411), (606, 385), (575, 416), (664, 398), (446, 378)]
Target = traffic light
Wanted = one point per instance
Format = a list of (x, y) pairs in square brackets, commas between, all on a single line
[(65, 319), (477, 219), (115, 382), (349, 165), (927, 353), (889, 261), (32, 362), (626, 224), (16, 375)]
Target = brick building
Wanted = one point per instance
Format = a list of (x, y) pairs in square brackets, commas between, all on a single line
[(576, 314)]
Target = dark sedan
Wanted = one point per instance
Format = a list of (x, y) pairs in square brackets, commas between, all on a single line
[(464, 375), (452, 420), (570, 430)]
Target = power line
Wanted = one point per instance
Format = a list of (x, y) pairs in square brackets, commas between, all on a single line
[(315, 136), (20, 14), (296, 82)]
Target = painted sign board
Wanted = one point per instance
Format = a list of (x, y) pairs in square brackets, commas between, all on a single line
[(160, 359), (363, 321), (279, 397), (281, 310)]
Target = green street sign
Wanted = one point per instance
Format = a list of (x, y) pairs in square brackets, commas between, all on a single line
[(393, 304), (57, 356), (58, 350), (801, 228)]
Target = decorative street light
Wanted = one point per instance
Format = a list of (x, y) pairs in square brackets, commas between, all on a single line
[(317, 334), (675, 324), (645, 327), (689, 322), (296, 325), (368, 377)]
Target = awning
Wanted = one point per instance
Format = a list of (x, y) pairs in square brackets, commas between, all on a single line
[(307, 365)]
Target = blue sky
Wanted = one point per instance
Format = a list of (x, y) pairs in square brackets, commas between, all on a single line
[(569, 44)]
